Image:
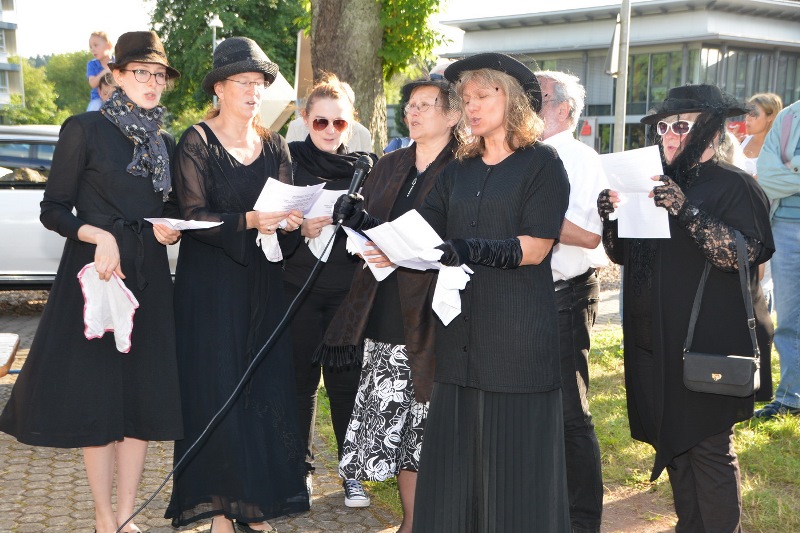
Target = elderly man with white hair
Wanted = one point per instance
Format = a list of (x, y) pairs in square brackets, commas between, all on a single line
[(574, 264)]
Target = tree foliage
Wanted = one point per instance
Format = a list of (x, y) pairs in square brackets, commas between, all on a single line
[(40, 99), (183, 27), (67, 72), (407, 34)]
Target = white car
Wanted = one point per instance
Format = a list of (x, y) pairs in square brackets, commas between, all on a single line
[(29, 253)]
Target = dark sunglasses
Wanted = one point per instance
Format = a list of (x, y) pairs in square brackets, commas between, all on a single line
[(339, 124), (679, 127)]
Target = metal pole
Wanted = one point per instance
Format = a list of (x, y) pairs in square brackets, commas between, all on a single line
[(621, 94)]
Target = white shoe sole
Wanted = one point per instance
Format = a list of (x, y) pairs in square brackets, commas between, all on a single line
[(356, 503)]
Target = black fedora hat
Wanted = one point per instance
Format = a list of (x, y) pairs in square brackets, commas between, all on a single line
[(141, 47), (236, 55), (502, 63), (696, 99), (440, 83)]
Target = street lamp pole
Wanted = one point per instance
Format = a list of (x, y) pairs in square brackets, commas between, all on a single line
[(214, 23)]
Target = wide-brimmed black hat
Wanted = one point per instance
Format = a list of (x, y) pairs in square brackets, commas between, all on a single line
[(696, 99), (141, 47), (236, 55), (502, 63)]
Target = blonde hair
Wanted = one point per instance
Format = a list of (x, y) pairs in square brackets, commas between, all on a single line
[(771, 103), (523, 126), (262, 131), (102, 35)]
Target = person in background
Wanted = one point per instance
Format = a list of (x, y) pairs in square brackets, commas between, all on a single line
[(393, 320), (229, 298), (779, 176), (358, 139), (706, 200), (105, 89), (79, 393), (322, 157), (575, 261), (96, 69), (764, 107)]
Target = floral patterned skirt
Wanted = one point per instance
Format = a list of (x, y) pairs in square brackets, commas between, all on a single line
[(385, 431)]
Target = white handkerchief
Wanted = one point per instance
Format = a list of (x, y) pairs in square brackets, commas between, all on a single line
[(446, 299), (108, 306), (318, 243), (270, 246)]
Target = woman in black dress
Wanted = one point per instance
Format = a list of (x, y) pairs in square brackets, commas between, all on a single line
[(228, 300), (707, 200), (112, 167), (323, 157)]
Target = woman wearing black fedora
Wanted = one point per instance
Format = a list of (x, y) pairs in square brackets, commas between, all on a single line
[(228, 300), (111, 169), (707, 201), (493, 458)]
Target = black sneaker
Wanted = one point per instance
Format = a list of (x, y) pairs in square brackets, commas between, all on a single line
[(354, 494), (776, 408)]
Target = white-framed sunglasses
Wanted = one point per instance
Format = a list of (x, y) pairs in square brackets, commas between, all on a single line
[(679, 127)]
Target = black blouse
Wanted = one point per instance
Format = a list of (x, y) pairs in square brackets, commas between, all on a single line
[(506, 337)]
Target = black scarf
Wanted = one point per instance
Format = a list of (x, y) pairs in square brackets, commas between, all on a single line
[(325, 165), (143, 128)]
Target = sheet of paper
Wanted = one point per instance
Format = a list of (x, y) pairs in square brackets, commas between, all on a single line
[(629, 174), (278, 196), (322, 206), (405, 240), (183, 225), (360, 242)]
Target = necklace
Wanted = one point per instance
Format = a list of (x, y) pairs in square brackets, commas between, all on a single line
[(414, 181)]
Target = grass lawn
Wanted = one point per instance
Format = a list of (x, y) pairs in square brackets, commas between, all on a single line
[(769, 452)]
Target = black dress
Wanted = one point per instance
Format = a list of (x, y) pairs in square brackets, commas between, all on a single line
[(73, 392), (493, 459), (228, 301)]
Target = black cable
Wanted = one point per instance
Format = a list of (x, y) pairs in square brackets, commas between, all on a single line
[(238, 389)]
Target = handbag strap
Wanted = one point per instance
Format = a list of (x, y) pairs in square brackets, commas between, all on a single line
[(744, 276)]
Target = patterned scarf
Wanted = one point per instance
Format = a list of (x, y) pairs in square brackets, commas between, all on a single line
[(143, 128)]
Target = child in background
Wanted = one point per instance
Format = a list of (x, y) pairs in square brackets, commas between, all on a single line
[(97, 68), (105, 89)]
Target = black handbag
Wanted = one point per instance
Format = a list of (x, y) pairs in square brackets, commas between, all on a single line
[(729, 375)]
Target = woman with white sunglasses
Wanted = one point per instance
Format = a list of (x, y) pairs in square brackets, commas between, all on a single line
[(707, 200)]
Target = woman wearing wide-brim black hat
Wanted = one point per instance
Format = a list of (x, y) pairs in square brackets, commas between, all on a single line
[(493, 458), (706, 200), (110, 171), (228, 300)]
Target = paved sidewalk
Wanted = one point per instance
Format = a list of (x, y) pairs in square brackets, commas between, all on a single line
[(43, 489)]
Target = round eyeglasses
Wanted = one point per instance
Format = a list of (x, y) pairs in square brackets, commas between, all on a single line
[(339, 124), (143, 76), (419, 108), (679, 127)]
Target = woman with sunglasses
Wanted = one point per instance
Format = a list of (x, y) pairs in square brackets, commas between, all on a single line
[(229, 299), (323, 157), (111, 169), (707, 200)]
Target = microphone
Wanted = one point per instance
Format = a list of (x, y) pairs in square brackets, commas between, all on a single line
[(363, 165)]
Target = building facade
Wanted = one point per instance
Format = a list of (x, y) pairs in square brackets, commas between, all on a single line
[(10, 73), (743, 46)]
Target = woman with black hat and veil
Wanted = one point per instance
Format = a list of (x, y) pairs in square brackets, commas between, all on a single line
[(493, 458), (229, 298), (707, 200), (111, 169)]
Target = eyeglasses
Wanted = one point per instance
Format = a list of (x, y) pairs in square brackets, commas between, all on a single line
[(143, 76), (419, 108), (339, 124), (257, 85), (679, 127)]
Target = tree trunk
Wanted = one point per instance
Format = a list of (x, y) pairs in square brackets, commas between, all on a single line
[(345, 38)]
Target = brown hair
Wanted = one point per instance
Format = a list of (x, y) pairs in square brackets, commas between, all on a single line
[(329, 86), (523, 126), (262, 131)]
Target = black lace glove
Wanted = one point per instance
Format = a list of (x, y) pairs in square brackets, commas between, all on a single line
[(604, 205), (506, 253), (669, 196), (350, 210)]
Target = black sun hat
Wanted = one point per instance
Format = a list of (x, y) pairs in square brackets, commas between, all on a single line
[(502, 63), (141, 47), (236, 55), (696, 99)]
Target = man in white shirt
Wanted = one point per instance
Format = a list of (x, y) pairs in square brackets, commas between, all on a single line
[(575, 261), (359, 140)]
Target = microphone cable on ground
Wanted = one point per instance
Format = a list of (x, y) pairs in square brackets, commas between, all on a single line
[(238, 389)]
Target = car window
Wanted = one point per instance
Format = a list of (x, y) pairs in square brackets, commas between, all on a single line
[(25, 164)]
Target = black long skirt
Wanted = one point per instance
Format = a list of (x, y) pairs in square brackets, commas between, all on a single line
[(492, 462)]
